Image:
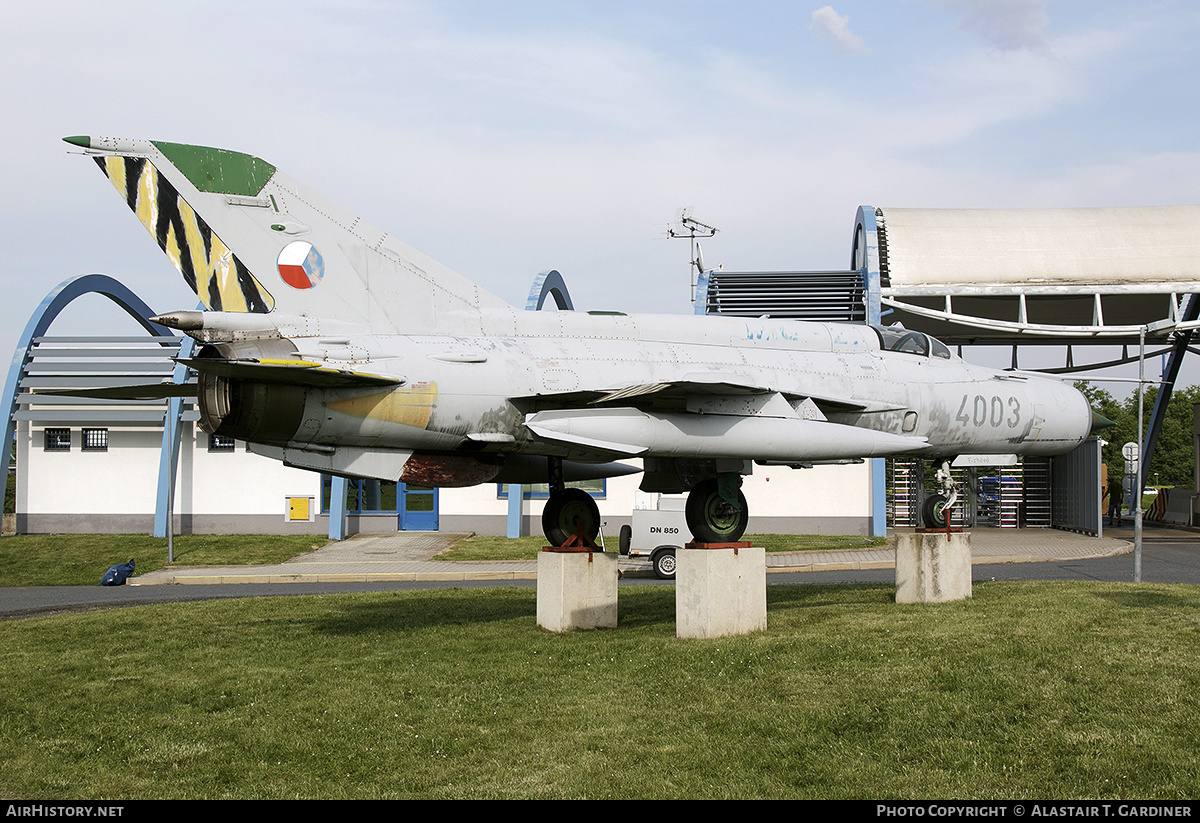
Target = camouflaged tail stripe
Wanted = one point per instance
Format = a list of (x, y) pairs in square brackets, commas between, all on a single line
[(208, 267)]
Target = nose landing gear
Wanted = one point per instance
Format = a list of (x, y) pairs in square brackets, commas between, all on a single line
[(935, 511)]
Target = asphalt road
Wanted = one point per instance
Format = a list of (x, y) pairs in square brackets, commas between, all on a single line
[(1171, 558), (1167, 559)]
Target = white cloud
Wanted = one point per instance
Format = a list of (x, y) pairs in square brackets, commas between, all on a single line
[(962, 95), (1009, 25), (829, 24)]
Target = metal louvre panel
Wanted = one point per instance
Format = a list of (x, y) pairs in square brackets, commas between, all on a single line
[(92, 415), (58, 366), (1075, 502), (94, 362), (67, 400), (141, 341), (834, 295)]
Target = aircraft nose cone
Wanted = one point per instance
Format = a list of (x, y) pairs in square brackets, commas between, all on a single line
[(1100, 422)]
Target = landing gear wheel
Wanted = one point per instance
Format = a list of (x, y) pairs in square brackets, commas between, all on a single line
[(558, 518), (664, 564), (710, 517), (935, 514)]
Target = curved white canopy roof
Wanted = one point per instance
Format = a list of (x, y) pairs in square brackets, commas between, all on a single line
[(1155, 248)]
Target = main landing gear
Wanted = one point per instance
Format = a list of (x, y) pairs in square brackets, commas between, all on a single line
[(716, 510), (564, 507), (558, 518)]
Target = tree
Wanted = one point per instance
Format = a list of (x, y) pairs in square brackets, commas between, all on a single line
[(1172, 464)]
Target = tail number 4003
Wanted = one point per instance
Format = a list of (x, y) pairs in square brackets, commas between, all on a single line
[(994, 411)]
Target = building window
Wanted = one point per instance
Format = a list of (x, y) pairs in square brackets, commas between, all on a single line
[(220, 443), (95, 440), (58, 440), (597, 488), (363, 495)]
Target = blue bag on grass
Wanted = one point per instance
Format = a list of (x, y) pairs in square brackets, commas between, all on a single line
[(117, 575)]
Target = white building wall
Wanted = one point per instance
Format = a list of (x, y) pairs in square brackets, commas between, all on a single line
[(820, 500), (122, 480), (237, 482), (116, 491), (230, 492), (777, 491)]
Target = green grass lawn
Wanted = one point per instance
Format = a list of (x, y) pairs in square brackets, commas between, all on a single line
[(1027, 690), (82, 559)]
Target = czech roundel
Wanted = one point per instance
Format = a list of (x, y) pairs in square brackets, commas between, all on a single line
[(301, 265)]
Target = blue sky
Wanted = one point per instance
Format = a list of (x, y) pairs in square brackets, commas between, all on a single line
[(508, 138)]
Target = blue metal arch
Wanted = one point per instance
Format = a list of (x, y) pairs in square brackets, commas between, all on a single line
[(549, 284), (546, 284), (864, 258), (700, 303), (40, 321)]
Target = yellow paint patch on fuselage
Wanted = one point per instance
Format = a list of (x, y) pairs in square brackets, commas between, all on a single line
[(408, 405)]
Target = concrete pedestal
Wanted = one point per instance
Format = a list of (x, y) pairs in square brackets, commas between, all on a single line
[(576, 590), (933, 567), (720, 592)]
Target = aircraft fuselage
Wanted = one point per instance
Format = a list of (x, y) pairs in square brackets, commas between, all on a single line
[(763, 389)]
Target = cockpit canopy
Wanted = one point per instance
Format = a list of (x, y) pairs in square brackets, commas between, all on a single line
[(900, 339)]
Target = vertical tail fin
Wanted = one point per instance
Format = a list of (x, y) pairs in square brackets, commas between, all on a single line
[(248, 238)]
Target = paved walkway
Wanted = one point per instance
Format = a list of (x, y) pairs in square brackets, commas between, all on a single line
[(406, 556)]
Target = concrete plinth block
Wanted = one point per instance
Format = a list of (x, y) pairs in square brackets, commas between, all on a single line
[(933, 567), (720, 592), (576, 590)]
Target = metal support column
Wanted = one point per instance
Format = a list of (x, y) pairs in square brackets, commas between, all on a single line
[(337, 507), (168, 461), (865, 258), (515, 498), (1170, 374)]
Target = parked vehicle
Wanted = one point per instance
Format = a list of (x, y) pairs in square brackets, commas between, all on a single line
[(658, 531)]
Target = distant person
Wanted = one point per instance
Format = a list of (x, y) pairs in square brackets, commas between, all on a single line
[(1115, 492)]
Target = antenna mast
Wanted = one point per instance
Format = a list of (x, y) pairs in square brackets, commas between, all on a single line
[(687, 226)]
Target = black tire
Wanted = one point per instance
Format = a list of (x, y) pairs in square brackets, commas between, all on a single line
[(624, 540), (664, 564), (934, 512), (558, 518), (711, 519)]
